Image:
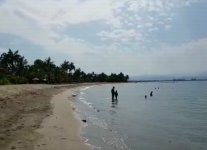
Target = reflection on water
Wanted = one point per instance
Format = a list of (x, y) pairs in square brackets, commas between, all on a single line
[(114, 103)]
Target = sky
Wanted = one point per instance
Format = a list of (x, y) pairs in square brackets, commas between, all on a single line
[(136, 37)]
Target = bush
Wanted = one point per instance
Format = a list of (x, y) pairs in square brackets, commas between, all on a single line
[(21, 80), (17, 80), (4, 81)]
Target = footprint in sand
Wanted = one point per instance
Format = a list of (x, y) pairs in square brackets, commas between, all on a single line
[(2, 139)]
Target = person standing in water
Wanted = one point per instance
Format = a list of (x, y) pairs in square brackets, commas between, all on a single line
[(112, 93), (151, 93), (116, 94)]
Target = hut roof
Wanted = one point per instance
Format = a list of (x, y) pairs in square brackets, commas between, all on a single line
[(35, 79)]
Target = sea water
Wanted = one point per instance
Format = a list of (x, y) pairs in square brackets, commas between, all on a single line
[(174, 118)]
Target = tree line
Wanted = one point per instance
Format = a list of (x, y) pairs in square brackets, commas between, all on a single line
[(14, 69)]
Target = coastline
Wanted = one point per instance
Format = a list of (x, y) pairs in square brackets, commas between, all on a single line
[(40, 117), (61, 130)]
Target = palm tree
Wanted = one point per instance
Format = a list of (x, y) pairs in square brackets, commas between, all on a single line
[(14, 68), (22, 66), (102, 77), (65, 66), (37, 70), (50, 68), (13, 62), (77, 74), (126, 78), (71, 67)]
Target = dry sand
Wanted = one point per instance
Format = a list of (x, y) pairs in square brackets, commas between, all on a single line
[(39, 117)]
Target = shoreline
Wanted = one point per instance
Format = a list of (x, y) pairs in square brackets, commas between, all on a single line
[(38, 117), (61, 130)]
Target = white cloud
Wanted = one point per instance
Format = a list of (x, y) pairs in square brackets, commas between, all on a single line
[(153, 29), (157, 5), (138, 15), (167, 27), (186, 59), (120, 35), (130, 21), (52, 12), (45, 16)]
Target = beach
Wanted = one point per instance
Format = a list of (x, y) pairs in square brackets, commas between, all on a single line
[(39, 117), (49, 117)]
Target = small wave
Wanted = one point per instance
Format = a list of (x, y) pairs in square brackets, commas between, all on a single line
[(87, 103), (82, 93), (114, 140), (85, 88), (81, 98), (85, 140), (98, 122)]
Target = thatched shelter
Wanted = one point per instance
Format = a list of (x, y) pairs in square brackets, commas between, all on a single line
[(35, 80)]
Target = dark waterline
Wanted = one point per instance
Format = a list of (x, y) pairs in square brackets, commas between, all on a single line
[(175, 117)]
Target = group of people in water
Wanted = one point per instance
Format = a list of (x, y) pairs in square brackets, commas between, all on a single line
[(114, 94), (151, 94)]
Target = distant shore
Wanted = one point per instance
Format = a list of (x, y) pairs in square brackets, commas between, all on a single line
[(173, 80), (39, 117)]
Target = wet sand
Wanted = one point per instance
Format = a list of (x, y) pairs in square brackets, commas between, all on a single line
[(39, 117)]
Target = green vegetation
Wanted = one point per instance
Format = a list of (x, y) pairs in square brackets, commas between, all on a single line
[(14, 69)]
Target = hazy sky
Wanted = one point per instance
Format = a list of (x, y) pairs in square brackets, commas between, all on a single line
[(137, 37)]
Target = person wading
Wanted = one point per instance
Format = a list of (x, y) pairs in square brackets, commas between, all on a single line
[(116, 94), (112, 93)]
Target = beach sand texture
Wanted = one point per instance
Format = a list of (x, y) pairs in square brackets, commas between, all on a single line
[(39, 117)]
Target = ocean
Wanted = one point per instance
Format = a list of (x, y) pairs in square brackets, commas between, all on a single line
[(174, 118)]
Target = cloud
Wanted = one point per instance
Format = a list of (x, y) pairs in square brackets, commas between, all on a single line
[(127, 26), (120, 35), (53, 12), (127, 15), (186, 59), (143, 16)]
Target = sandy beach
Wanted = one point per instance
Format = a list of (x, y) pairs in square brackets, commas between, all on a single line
[(39, 117)]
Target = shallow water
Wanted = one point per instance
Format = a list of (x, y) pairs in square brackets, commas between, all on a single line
[(175, 117)]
